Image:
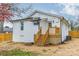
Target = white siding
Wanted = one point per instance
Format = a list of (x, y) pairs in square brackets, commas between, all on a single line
[(27, 35), (16, 26), (52, 31), (64, 29), (51, 19), (42, 16), (55, 22), (35, 29), (44, 26)]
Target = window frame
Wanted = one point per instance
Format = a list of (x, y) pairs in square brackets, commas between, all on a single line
[(22, 25)]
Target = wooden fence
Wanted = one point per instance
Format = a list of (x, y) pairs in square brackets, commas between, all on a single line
[(74, 34), (5, 37)]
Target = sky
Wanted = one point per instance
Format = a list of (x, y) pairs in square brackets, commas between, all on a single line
[(69, 10)]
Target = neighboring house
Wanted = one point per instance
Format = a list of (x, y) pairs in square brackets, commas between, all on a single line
[(24, 30), (7, 29)]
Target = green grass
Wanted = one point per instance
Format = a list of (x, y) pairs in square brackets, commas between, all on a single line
[(17, 52)]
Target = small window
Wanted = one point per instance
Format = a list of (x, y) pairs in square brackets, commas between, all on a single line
[(39, 18), (36, 22), (22, 25), (56, 22), (53, 21), (50, 25)]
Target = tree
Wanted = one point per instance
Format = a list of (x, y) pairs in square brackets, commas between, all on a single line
[(76, 24), (72, 24), (7, 11)]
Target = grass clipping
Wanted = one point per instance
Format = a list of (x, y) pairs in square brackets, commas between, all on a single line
[(17, 52)]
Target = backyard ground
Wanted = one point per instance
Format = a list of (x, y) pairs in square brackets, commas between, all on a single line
[(70, 48)]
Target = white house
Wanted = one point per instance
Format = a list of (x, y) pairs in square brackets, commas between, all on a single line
[(59, 30), (56, 22), (25, 29)]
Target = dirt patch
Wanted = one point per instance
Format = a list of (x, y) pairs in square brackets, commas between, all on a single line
[(70, 48)]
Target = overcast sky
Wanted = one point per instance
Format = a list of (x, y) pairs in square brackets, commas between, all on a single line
[(69, 11)]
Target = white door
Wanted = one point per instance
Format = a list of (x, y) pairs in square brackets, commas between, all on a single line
[(64, 32), (29, 32)]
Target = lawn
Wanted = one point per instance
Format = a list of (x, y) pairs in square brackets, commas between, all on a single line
[(17, 52)]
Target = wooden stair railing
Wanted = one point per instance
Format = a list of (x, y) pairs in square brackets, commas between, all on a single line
[(36, 36), (40, 39), (45, 37)]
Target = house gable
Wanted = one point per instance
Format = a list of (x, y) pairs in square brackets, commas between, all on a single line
[(55, 20), (43, 15)]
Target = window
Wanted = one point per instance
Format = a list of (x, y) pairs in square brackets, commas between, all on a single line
[(36, 22), (50, 25), (53, 21), (22, 25), (56, 22), (39, 18)]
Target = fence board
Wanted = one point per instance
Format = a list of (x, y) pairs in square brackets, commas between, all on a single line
[(74, 34), (5, 37)]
